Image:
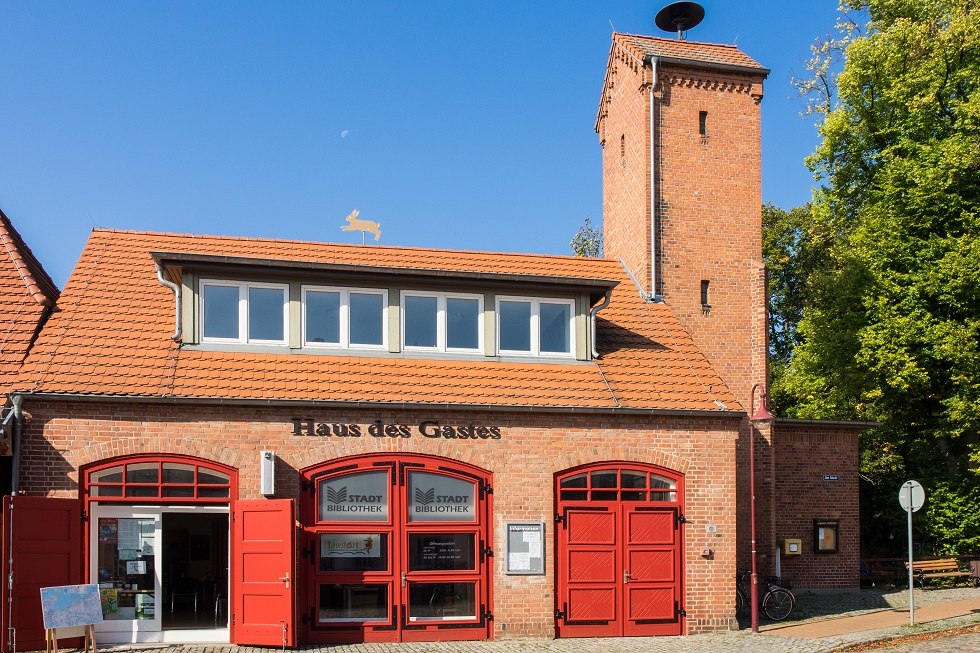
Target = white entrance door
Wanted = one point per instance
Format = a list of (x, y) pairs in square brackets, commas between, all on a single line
[(127, 560)]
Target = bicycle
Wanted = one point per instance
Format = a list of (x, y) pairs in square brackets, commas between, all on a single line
[(778, 601)]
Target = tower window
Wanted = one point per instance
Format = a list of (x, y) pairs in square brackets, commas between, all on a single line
[(703, 123), (622, 149), (705, 304)]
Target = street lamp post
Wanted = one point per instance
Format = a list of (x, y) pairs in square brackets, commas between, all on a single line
[(757, 417)]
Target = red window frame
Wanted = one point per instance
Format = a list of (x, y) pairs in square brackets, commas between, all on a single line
[(159, 497), (398, 626)]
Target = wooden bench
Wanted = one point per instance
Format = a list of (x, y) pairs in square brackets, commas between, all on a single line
[(924, 570)]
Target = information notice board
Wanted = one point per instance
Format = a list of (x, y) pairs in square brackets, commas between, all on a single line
[(525, 548)]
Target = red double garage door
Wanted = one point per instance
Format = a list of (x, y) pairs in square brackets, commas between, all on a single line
[(619, 553)]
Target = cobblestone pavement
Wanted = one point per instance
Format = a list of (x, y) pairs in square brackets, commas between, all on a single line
[(810, 607), (967, 643)]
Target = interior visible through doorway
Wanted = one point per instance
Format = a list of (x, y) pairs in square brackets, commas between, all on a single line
[(195, 571)]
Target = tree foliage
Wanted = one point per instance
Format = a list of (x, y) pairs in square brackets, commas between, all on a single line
[(587, 241), (891, 326)]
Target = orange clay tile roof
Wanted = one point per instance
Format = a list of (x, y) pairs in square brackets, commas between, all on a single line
[(112, 337), (710, 53), (26, 293)]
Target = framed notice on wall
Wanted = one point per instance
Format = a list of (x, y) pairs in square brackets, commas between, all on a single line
[(826, 533), (525, 548)]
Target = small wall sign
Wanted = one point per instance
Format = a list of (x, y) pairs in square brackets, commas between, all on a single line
[(525, 548), (831, 477)]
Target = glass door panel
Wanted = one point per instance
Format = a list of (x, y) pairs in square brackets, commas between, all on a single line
[(126, 564), (353, 602), (441, 551), (441, 601)]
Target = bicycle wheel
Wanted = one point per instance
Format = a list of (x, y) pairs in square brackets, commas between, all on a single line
[(778, 603), (739, 603)]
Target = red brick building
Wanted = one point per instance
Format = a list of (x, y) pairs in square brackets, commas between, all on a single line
[(391, 444)]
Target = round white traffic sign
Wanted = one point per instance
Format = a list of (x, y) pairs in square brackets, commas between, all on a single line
[(911, 496)]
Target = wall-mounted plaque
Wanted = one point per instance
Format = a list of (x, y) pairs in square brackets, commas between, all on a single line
[(525, 548)]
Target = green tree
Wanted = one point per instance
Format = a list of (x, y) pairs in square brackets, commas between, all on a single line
[(587, 241), (891, 330)]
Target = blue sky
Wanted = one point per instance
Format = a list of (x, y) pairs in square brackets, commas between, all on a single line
[(455, 124)]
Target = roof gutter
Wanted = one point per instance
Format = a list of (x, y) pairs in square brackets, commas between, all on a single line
[(174, 287), (17, 403), (592, 314), (653, 180), (380, 405), (700, 63)]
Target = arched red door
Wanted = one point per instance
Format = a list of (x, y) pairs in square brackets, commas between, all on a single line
[(620, 567), (396, 549)]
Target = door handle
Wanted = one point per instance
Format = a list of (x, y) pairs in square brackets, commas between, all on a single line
[(626, 576), (404, 579), (285, 579)]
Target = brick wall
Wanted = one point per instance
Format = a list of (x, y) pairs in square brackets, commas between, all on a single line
[(806, 453), (61, 437)]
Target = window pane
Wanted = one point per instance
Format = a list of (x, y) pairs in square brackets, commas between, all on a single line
[(177, 473), (208, 477), (265, 314), (579, 480), (633, 479), (353, 603), (220, 312), (186, 492), (420, 321), (353, 552), (604, 479), (212, 493), (323, 317), (111, 475), (434, 497), (462, 323), (142, 473), (355, 497), (441, 551), (365, 319), (515, 326), (441, 601), (554, 321)]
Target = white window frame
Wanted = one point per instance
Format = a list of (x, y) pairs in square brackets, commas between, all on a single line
[(441, 317), (243, 331), (345, 294), (536, 326)]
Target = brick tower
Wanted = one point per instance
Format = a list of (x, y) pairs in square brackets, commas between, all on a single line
[(679, 125)]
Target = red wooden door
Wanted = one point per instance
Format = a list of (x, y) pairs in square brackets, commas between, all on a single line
[(589, 543), (619, 553), (43, 539), (263, 577), (652, 571)]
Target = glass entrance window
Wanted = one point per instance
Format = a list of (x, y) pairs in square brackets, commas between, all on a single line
[(440, 498), (354, 552), (442, 601), (352, 602), (441, 551), (126, 567)]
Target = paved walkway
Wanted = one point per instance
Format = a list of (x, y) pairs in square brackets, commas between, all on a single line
[(824, 623)]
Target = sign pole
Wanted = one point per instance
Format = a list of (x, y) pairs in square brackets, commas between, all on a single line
[(908, 489), (911, 496)]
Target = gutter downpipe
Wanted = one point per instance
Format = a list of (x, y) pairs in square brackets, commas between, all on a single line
[(174, 287), (592, 314), (653, 184), (17, 401)]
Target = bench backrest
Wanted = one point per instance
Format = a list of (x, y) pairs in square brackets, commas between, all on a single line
[(934, 565)]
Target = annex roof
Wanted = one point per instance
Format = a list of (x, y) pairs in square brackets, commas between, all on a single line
[(111, 338), (26, 295)]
